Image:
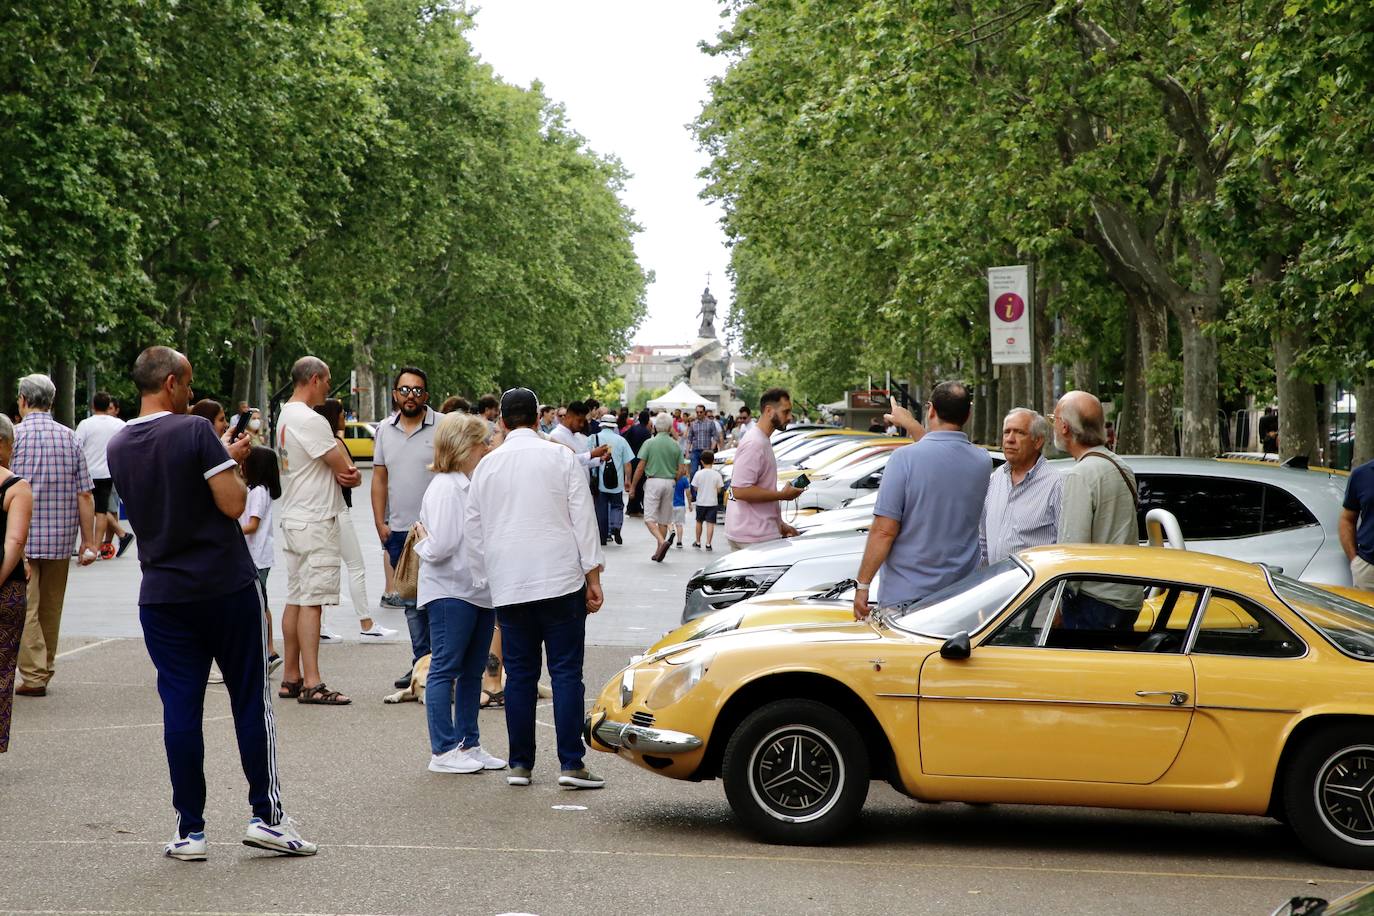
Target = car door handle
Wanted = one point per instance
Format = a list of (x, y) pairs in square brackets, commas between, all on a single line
[(1176, 697)]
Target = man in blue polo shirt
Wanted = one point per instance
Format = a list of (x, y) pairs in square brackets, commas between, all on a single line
[(925, 524), (1357, 525), (200, 599)]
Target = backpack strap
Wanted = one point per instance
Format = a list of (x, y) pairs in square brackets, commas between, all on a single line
[(1135, 496)]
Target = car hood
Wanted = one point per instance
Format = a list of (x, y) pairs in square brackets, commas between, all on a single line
[(785, 610), (786, 551)]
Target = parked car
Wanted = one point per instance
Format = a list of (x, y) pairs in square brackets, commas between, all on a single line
[(360, 439), (1237, 691), (1355, 903), (1258, 513)]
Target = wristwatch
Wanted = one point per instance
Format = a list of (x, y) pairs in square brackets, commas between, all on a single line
[(861, 586)]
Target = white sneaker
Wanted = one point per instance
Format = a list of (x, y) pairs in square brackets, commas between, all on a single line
[(216, 676), (454, 761), (580, 779), (377, 632), (487, 761), (273, 663), (283, 838), (190, 848), (326, 636)]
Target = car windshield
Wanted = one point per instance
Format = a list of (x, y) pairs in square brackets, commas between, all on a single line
[(1347, 623), (966, 606)]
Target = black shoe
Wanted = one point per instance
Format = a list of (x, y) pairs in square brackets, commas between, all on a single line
[(124, 542), (403, 682), (615, 536), (672, 536)]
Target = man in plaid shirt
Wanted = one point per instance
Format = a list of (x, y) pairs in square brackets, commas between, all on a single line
[(47, 456), (704, 435)]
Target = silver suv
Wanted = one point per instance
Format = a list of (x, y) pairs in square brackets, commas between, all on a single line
[(1283, 517)]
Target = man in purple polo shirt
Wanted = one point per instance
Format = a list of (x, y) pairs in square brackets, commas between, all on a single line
[(200, 599), (755, 516)]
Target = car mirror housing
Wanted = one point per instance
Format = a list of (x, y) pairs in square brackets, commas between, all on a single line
[(956, 647)]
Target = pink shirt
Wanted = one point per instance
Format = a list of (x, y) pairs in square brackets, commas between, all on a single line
[(755, 466)]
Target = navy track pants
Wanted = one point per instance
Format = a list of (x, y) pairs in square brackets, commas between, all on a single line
[(182, 639)]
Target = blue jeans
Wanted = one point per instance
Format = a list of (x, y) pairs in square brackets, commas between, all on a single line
[(417, 621), (696, 461), (610, 513), (559, 626), (460, 634)]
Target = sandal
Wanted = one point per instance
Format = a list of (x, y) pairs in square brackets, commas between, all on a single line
[(320, 695), (492, 699), (290, 690)]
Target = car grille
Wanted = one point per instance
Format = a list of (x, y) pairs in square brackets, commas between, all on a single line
[(646, 719)]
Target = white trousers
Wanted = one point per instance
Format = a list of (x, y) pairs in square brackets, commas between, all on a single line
[(351, 552)]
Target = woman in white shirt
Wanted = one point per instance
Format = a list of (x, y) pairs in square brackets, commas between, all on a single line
[(461, 618)]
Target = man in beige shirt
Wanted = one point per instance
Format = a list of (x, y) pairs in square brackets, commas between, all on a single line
[(1097, 506)]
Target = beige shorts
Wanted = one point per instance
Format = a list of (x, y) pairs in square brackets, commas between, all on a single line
[(658, 500), (1363, 573), (312, 562)]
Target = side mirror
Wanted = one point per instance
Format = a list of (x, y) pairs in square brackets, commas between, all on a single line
[(956, 647)]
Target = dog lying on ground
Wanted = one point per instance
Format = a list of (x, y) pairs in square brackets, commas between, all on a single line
[(415, 692)]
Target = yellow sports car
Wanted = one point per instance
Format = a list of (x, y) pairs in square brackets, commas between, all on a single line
[(1129, 677)]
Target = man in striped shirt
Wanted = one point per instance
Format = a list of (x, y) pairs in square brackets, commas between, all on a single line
[(1022, 506)]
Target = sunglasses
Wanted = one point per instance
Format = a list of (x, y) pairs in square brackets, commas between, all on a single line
[(404, 390)]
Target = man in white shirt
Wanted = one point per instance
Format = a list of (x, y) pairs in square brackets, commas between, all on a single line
[(568, 433), (93, 434), (311, 505), (534, 535)]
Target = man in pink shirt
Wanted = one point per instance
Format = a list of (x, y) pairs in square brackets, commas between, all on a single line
[(756, 516)]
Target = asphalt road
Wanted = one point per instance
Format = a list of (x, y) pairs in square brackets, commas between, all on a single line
[(85, 808)]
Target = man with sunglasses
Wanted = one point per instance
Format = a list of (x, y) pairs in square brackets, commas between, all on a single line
[(400, 473)]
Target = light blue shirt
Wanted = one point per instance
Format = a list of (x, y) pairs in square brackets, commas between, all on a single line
[(934, 489), (621, 454)]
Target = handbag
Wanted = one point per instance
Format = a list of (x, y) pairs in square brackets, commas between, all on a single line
[(407, 572)]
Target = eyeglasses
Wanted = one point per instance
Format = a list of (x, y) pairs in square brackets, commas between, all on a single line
[(410, 389)]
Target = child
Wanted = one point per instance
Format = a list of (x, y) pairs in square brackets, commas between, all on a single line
[(680, 505), (263, 478), (707, 485)]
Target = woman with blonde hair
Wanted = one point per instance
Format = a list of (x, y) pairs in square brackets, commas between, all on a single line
[(461, 618)]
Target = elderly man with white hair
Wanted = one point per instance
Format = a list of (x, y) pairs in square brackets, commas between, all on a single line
[(47, 455), (660, 465), (1022, 506)]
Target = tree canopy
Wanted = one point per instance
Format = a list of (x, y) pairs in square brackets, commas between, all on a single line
[(338, 177), (1186, 179)]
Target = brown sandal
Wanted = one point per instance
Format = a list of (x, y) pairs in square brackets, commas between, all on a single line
[(320, 695), (289, 690)]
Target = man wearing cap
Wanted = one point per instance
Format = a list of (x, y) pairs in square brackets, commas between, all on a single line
[(609, 492), (533, 541)]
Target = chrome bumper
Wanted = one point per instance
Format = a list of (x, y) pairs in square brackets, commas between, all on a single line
[(640, 738)]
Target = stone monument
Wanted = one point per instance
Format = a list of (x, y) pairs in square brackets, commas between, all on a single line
[(708, 368)]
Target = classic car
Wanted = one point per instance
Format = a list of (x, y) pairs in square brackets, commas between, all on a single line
[(1233, 690)]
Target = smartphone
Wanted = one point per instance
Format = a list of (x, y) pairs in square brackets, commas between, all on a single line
[(801, 482), (240, 425)]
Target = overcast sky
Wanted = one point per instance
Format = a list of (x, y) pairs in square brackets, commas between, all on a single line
[(631, 78)]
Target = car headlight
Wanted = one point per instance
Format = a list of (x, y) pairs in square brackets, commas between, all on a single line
[(753, 581), (686, 669)]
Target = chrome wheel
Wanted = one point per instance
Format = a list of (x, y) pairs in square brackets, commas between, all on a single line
[(1344, 794), (796, 773)]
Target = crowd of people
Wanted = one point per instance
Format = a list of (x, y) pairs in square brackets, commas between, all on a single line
[(468, 495)]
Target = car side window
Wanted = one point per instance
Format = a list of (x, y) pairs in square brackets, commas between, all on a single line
[(1232, 625), (364, 432), (1207, 508), (1084, 612), (349, 432), (1284, 511)]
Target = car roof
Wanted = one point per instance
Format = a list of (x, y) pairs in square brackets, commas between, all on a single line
[(1147, 562), (1308, 483)]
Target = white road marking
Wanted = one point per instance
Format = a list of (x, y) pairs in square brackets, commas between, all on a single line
[(92, 645), (102, 728)]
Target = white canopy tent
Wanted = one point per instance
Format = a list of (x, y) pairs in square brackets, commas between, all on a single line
[(681, 397)]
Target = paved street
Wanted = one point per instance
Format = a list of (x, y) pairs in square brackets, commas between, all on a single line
[(84, 809)]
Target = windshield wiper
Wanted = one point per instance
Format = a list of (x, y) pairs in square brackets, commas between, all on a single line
[(836, 590)]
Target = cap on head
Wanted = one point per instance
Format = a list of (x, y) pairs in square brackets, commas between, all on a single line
[(519, 407)]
